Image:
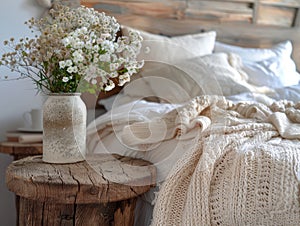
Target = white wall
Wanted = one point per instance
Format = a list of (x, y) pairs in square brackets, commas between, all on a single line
[(16, 97)]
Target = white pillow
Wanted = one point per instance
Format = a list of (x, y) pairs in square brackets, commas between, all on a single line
[(272, 67), (169, 50), (214, 74)]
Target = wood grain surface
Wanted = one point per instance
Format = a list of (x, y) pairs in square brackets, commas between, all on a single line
[(19, 151), (105, 178), (101, 191)]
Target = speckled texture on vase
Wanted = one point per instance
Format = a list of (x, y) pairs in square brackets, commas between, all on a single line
[(64, 122)]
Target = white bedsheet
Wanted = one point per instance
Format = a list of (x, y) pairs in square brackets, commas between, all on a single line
[(290, 93), (165, 149), (159, 147), (162, 153), (213, 74)]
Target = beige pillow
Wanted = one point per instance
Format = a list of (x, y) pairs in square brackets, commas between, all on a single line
[(213, 74), (169, 50)]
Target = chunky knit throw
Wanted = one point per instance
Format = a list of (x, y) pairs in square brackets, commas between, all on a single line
[(243, 170)]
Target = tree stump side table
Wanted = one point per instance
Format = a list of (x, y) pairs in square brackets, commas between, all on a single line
[(100, 191), (18, 150)]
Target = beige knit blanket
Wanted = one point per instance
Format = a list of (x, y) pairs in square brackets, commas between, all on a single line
[(243, 170)]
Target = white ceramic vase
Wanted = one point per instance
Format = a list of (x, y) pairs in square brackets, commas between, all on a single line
[(64, 128)]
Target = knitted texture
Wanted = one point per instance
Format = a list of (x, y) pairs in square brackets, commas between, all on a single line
[(241, 170)]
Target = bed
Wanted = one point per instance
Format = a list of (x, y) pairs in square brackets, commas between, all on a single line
[(216, 109)]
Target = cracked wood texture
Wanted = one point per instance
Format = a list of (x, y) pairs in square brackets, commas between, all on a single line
[(99, 191)]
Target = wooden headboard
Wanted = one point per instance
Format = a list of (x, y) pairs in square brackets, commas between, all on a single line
[(249, 23)]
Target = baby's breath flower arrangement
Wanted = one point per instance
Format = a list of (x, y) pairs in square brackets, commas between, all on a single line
[(75, 50)]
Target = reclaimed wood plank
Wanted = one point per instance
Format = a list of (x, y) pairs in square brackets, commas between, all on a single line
[(218, 16), (94, 214), (221, 11), (31, 213), (168, 9), (249, 35), (297, 19), (241, 29), (124, 213), (83, 2), (35, 213), (248, 1), (285, 3), (172, 27), (227, 6), (274, 15), (57, 214), (255, 11)]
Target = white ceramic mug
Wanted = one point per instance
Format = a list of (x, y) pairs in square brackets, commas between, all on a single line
[(34, 119)]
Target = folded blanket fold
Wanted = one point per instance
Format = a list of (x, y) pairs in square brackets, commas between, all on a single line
[(157, 130), (285, 127)]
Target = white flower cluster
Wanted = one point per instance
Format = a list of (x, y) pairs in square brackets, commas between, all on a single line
[(77, 45)]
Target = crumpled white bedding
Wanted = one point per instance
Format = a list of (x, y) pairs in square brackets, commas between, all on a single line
[(163, 154), (110, 134), (148, 130)]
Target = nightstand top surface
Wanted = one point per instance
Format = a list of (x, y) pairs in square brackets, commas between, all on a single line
[(102, 178)]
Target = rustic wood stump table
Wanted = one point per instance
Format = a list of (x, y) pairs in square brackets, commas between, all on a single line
[(100, 191), (18, 150)]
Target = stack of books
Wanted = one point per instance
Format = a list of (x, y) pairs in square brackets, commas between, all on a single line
[(24, 137)]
